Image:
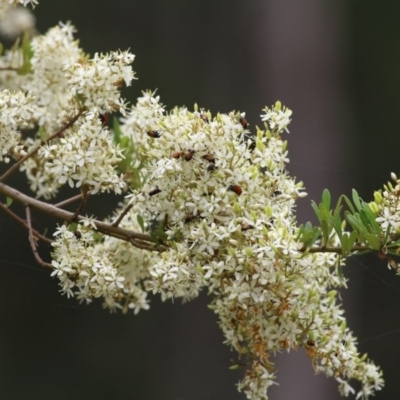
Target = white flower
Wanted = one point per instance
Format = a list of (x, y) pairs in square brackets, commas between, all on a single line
[(388, 218)]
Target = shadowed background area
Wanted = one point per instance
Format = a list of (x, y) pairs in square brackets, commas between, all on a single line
[(336, 65)]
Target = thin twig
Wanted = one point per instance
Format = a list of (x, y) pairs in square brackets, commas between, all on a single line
[(24, 224), (64, 203), (82, 206), (15, 166), (32, 240), (122, 215)]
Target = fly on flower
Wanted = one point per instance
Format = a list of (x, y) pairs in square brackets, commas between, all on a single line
[(104, 119), (243, 121), (154, 134), (154, 191)]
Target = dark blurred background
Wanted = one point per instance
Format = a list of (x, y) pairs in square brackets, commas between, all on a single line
[(336, 64)]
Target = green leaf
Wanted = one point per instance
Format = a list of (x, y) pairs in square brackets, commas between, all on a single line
[(316, 210), (326, 199), (27, 55), (140, 222), (42, 133), (325, 231), (308, 234), (355, 222), (352, 240), (336, 221), (349, 204), (157, 232), (371, 218), (117, 131), (356, 199), (387, 234), (9, 201), (373, 241)]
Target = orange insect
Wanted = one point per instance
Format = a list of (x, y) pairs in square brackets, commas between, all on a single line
[(177, 155), (236, 188)]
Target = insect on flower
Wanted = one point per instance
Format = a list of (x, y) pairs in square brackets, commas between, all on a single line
[(211, 167), (104, 119), (154, 191), (189, 217), (243, 122), (154, 134), (210, 158), (177, 154), (189, 155), (235, 188), (204, 117), (246, 226)]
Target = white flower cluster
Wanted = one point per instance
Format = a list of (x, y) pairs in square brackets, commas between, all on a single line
[(225, 202), (86, 154), (64, 83), (46, 80), (215, 196), (277, 118), (49, 86), (103, 267), (143, 117), (386, 206), (16, 112), (97, 81), (84, 269)]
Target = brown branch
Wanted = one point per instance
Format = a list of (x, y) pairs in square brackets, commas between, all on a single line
[(32, 240), (333, 249), (24, 224), (103, 227), (9, 68), (14, 167)]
